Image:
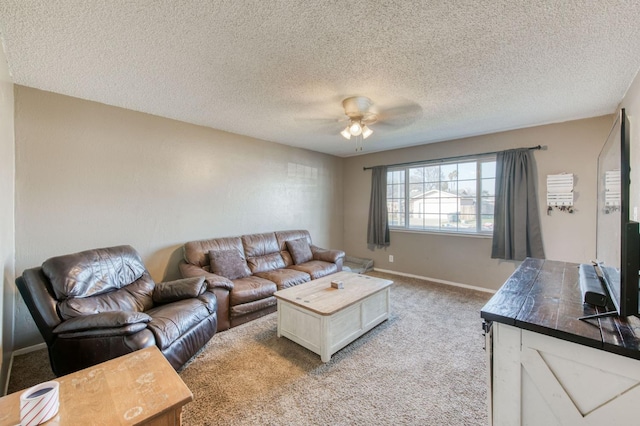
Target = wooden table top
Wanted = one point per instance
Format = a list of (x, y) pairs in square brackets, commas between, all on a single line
[(123, 391), (544, 296), (318, 296)]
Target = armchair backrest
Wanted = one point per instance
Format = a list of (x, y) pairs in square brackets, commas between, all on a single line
[(100, 280), (94, 271)]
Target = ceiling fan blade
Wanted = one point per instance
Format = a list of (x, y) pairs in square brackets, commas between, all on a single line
[(323, 126), (321, 120), (400, 116)]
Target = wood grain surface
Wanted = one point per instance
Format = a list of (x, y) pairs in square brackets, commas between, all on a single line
[(544, 296), (138, 388), (318, 296)]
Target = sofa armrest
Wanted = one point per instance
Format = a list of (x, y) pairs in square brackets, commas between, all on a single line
[(325, 255), (104, 320), (188, 270), (185, 288)]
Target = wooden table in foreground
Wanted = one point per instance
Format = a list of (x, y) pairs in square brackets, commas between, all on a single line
[(140, 388), (324, 319)]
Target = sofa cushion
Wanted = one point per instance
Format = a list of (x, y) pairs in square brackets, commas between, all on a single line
[(250, 289), (250, 308), (316, 268), (197, 252), (229, 263), (262, 252), (259, 244), (93, 271), (265, 263), (300, 250), (136, 297), (171, 321), (285, 278), (283, 236)]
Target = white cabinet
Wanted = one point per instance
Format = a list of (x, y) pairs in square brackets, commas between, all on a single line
[(536, 379)]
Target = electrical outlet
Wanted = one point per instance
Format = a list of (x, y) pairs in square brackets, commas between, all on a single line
[(391, 258)]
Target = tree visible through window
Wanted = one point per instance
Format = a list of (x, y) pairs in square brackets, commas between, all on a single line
[(443, 197)]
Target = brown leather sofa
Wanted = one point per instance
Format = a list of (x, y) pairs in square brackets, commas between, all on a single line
[(100, 304), (245, 271)]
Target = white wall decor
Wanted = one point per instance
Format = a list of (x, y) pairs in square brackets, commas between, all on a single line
[(560, 192), (612, 190)]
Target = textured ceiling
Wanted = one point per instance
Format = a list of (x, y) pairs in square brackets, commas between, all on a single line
[(278, 70)]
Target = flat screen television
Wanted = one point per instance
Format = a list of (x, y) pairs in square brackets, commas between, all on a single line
[(617, 237)]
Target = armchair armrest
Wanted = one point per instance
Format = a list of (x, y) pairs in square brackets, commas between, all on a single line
[(118, 332), (104, 320), (185, 288), (189, 270), (325, 255)]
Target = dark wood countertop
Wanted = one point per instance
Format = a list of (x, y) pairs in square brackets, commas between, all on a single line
[(544, 296)]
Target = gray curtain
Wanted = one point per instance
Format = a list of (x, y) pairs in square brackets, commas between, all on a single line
[(378, 230), (516, 226)]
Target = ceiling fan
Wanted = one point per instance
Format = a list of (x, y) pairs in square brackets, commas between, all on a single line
[(361, 113)]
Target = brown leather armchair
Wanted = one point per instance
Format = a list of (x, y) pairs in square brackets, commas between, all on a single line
[(100, 304)]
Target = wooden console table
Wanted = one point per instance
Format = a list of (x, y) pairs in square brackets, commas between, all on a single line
[(140, 388), (547, 367)]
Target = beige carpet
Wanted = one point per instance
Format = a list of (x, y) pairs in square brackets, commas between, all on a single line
[(424, 366)]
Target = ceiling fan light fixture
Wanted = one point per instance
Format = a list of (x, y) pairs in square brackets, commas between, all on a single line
[(355, 128), (360, 114), (366, 132)]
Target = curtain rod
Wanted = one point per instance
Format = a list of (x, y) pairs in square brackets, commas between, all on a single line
[(450, 158)]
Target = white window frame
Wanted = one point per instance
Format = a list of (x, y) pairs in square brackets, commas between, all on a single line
[(478, 197)]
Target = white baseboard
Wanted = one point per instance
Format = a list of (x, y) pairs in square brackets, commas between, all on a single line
[(18, 352), (6, 384), (436, 280), (29, 349)]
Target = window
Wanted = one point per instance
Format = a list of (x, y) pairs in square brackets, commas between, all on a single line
[(443, 196)]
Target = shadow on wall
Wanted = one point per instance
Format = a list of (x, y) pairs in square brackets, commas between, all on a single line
[(171, 271)]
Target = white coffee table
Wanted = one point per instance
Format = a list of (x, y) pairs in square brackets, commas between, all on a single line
[(324, 319)]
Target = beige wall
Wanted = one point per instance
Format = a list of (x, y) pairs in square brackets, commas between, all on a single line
[(90, 175), (7, 234), (570, 147)]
